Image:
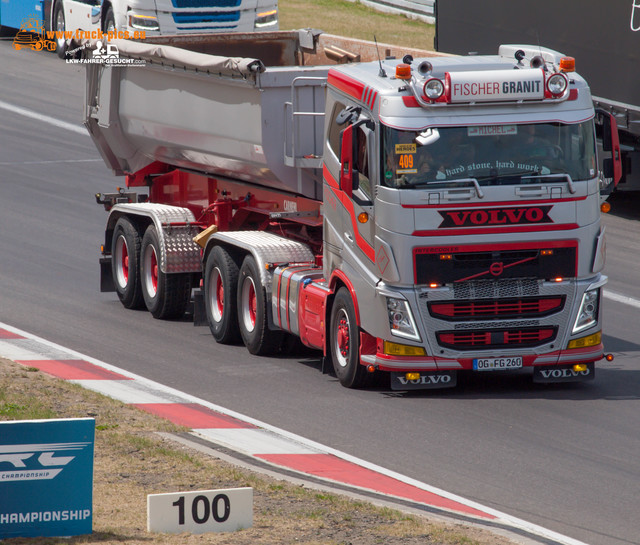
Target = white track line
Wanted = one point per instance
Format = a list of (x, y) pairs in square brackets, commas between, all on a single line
[(172, 393), (44, 118), (619, 298)]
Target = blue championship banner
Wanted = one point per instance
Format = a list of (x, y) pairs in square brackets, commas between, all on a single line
[(46, 477)]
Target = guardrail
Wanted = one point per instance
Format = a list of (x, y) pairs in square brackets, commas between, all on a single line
[(423, 10)]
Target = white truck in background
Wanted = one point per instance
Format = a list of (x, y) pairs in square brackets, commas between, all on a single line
[(65, 20)]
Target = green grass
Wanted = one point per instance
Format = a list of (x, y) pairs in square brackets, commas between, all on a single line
[(355, 20)]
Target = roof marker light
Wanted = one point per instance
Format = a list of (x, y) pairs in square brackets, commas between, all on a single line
[(567, 64), (403, 71)]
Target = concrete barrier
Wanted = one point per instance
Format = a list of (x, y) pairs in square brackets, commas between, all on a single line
[(423, 10)]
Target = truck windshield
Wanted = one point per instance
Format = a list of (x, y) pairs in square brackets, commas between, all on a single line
[(491, 154)]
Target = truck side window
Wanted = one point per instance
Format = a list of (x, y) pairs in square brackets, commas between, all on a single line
[(363, 163), (334, 130)]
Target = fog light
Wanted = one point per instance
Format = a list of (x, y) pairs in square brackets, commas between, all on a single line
[(396, 349), (585, 342), (578, 367), (557, 84), (433, 89), (412, 376)]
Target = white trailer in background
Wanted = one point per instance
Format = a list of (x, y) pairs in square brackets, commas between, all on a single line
[(136, 19), (604, 37)]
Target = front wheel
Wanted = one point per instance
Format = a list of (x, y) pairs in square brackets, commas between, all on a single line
[(252, 312), (166, 296), (345, 342)]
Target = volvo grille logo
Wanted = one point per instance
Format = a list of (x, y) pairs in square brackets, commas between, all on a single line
[(492, 217)]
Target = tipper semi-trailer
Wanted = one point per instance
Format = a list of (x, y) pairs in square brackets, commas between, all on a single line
[(401, 211)]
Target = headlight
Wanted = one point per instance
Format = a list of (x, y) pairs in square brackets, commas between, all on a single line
[(143, 22), (267, 18), (588, 313), (401, 320)]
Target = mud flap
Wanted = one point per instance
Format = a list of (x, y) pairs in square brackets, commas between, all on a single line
[(106, 275), (563, 373), (199, 311), (428, 380)]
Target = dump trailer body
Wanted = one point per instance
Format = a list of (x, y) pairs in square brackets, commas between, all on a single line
[(192, 108)]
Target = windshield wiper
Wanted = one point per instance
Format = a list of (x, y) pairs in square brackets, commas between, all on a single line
[(466, 181), (555, 178)]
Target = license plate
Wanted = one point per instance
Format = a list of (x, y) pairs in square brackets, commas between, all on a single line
[(489, 364)]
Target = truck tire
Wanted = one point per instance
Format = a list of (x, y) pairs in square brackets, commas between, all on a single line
[(166, 296), (220, 287), (252, 312), (109, 23), (344, 339), (125, 264), (58, 24)]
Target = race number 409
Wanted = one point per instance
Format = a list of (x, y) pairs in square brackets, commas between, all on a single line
[(200, 511)]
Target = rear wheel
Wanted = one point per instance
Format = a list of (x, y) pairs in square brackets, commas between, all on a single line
[(220, 287), (166, 296), (109, 24), (125, 263), (59, 26), (252, 312), (345, 342)]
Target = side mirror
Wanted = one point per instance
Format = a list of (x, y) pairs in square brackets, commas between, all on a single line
[(611, 166), (349, 179)]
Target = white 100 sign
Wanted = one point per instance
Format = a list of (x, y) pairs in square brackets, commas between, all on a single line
[(202, 509)]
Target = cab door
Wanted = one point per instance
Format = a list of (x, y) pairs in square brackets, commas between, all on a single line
[(357, 179)]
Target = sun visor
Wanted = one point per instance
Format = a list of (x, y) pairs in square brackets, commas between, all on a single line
[(483, 116)]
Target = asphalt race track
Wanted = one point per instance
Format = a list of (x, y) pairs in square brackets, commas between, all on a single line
[(564, 457)]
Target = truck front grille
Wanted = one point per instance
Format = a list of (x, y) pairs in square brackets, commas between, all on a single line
[(206, 17), (181, 4), (524, 307), (502, 315), (496, 338)]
